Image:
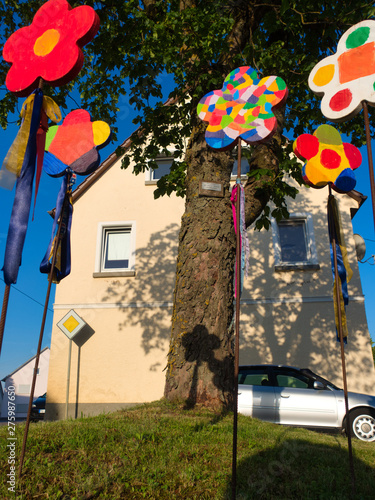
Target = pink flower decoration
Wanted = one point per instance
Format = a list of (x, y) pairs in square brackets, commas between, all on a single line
[(50, 48)]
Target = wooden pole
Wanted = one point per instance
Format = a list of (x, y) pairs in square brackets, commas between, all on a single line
[(341, 338), (50, 277), (237, 329)]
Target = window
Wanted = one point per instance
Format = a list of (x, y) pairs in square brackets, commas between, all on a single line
[(164, 167), (254, 376), (290, 378), (245, 167), (294, 243), (115, 252)]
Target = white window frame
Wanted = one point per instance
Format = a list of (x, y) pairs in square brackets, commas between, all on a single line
[(103, 227), (149, 174), (311, 262)]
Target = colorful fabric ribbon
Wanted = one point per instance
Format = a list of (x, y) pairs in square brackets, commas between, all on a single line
[(64, 210), (20, 161), (244, 241), (22, 200), (12, 164), (345, 273)]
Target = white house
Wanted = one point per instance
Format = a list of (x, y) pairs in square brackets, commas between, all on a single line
[(20, 381)]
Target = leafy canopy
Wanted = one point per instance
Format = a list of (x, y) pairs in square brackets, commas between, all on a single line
[(189, 46)]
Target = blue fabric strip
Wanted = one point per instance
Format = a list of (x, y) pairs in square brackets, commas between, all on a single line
[(22, 201), (64, 241)]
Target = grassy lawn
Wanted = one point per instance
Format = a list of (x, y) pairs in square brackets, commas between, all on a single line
[(161, 451)]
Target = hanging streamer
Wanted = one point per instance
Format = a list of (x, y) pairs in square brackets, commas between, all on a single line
[(344, 270), (22, 200), (20, 162), (244, 242), (12, 164), (65, 212)]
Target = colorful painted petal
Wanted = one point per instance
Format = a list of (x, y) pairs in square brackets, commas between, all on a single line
[(306, 146), (346, 181), (50, 50), (64, 150), (341, 100), (328, 159), (353, 155), (242, 108), (346, 79)]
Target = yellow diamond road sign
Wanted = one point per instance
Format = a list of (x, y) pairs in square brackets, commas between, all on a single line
[(71, 324)]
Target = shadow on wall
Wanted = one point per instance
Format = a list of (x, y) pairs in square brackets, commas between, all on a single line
[(287, 317), (146, 300), (276, 325)]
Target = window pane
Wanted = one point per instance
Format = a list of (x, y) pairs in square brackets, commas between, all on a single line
[(164, 167), (245, 167), (254, 376), (117, 249), (293, 242), (291, 379)]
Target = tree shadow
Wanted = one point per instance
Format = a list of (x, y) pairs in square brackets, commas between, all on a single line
[(287, 317), (146, 300), (199, 348), (295, 468)]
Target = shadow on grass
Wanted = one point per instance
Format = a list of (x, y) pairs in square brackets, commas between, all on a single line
[(299, 469)]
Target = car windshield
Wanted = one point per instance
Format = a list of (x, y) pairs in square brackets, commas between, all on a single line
[(320, 379)]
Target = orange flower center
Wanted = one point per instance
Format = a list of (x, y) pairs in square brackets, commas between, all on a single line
[(46, 42)]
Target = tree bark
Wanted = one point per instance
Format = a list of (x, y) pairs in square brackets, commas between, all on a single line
[(200, 367), (201, 359)]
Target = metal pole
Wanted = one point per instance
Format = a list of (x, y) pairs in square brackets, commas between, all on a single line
[(369, 154), (4, 314), (237, 330), (50, 276), (68, 379), (344, 377)]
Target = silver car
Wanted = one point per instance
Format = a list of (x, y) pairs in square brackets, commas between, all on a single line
[(293, 396)]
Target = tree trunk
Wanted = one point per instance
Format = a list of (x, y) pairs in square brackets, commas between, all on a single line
[(200, 366), (200, 359)]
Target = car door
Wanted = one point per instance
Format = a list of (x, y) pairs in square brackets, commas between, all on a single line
[(298, 403), (256, 396)]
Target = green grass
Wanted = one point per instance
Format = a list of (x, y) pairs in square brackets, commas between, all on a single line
[(160, 451)]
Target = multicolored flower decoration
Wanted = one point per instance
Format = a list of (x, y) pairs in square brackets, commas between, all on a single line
[(242, 108), (74, 144), (50, 48), (329, 160), (347, 78)]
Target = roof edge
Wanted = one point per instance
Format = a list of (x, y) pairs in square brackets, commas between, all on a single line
[(110, 160)]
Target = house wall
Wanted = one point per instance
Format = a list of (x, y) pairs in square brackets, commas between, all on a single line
[(21, 380), (286, 316), (121, 361)]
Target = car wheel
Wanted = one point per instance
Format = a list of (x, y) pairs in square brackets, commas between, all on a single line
[(362, 423)]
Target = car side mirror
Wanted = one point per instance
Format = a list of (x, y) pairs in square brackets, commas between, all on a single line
[(318, 385)]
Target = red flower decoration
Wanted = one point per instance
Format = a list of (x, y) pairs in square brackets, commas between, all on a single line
[(50, 48)]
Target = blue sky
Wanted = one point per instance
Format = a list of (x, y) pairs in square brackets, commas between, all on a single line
[(27, 297)]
